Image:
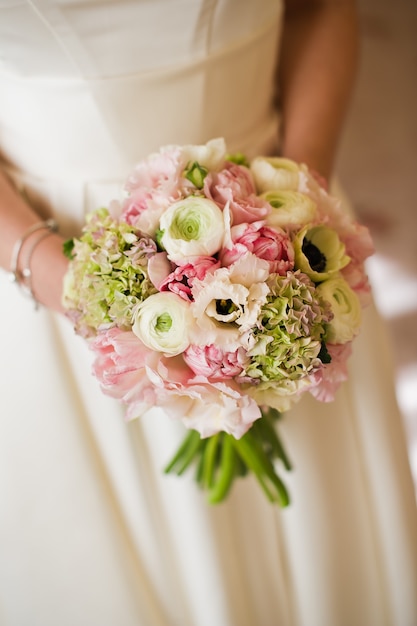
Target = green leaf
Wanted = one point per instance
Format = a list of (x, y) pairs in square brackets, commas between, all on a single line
[(238, 158), (67, 248), (324, 355), (158, 239)]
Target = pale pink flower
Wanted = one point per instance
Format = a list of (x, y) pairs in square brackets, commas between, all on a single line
[(214, 362), (120, 364), (160, 170), (159, 267), (152, 186), (359, 246), (328, 379), (143, 209), (235, 185), (180, 280), (236, 178), (358, 242), (357, 278), (208, 407), (271, 244)]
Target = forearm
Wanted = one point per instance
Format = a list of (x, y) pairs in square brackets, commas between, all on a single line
[(47, 263), (317, 69)]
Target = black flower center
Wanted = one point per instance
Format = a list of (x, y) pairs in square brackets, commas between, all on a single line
[(315, 257), (225, 307)]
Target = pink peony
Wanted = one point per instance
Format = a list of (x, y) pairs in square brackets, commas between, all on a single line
[(152, 186), (235, 185), (271, 244), (160, 170), (236, 178), (180, 281), (215, 363)]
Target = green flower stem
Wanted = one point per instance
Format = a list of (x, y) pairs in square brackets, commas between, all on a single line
[(255, 458), (210, 457), (185, 454), (265, 429), (221, 458), (226, 471)]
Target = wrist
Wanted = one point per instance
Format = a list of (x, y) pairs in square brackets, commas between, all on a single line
[(48, 268)]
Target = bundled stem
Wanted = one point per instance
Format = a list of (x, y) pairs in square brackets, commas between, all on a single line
[(222, 458)]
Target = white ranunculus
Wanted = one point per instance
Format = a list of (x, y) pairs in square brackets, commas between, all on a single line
[(289, 207), (163, 322), (192, 227), (273, 173), (346, 309), (210, 155)]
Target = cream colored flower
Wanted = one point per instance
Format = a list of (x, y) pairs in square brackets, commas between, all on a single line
[(210, 155), (163, 323), (274, 173), (192, 227), (346, 309), (289, 208)]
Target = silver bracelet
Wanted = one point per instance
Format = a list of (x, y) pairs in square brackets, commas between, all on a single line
[(23, 278)]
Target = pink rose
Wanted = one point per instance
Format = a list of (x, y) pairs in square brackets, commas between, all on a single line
[(271, 244), (181, 279), (215, 363)]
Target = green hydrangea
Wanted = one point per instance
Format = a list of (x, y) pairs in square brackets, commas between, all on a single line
[(288, 340), (108, 274)]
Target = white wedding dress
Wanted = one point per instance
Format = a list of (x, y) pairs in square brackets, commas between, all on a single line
[(92, 533)]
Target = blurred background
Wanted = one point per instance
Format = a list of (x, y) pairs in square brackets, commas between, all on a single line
[(378, 167)]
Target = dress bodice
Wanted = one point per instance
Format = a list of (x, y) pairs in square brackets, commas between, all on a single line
[(88, 88)]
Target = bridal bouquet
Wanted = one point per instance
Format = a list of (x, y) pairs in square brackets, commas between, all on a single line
[(221, 291)]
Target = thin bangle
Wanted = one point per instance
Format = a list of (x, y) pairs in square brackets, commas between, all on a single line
[(49, 224), (23, 278), (26, 272)]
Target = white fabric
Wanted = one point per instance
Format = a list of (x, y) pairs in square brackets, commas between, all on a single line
[(91, 531)]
